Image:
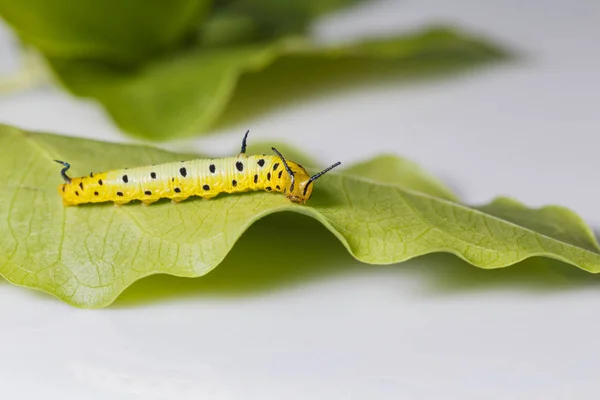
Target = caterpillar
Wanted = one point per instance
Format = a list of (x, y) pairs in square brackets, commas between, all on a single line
[(206, 178)]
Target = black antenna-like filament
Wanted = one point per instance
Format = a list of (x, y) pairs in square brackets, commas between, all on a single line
[(287, 168), (63, 172), (317, 176)]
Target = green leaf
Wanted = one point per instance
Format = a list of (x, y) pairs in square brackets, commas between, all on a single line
[(397, 171), (88, 255), (188, 94), (107, 30), (264, 18)]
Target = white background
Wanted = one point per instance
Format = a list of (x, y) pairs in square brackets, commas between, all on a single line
[(431, 328)]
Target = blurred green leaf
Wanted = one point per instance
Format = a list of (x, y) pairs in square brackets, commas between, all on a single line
[(114, 31), (268, 19), (88, 255), (185, 95)]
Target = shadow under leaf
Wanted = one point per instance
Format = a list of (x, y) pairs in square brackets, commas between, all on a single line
[(288, 249)]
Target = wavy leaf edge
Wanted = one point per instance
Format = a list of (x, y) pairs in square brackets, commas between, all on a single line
[(314, 213)]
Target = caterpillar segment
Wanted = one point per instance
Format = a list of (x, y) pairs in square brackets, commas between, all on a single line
[(205, 178)]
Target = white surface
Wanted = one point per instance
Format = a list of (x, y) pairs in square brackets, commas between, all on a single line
[(431, 328)]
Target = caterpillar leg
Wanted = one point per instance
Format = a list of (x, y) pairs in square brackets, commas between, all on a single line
[(178, 200), (146, 203)]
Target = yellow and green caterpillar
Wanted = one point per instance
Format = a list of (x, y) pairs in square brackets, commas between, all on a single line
[(202, 177)]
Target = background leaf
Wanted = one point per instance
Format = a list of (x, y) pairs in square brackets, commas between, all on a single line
[(164, 72), (88, 255), (114, 31), (184, 95), (243, 20)]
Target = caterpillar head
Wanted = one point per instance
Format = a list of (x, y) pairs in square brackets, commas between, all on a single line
[(300, 183)]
